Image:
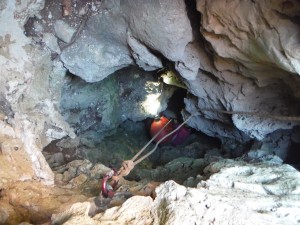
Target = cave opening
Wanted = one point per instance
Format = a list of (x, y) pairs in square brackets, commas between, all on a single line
[(293, 156), (84, 82), (89, 107), (176, 102), (106, 112)]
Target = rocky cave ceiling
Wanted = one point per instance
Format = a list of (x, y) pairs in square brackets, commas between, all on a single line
[(80, 81), (238, 62)]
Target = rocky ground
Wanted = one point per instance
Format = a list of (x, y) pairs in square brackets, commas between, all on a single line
[(235, 193), (198, 181), (260, 191)]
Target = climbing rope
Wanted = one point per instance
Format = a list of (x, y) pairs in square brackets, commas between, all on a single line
[(128, 165)]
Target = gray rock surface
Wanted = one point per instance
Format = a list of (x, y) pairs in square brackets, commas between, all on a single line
[(180, 169), (64, 31), (15, 58), (51, 42), (30, 115), (269, 194), (260, 45), (77, 173), (142, 56), (245, 60), (248, 67), (252, 63), (95, 109), (234, 62), (131, 29)]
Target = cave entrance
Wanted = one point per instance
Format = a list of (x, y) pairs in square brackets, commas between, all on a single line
[(293, 156), (111, 120), (176, 102), (110, 117)]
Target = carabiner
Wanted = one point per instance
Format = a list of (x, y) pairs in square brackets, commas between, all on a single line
[(107, 190)]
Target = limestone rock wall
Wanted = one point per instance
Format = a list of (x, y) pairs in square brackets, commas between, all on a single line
[(128, 32), (30, 91), (251, 64)]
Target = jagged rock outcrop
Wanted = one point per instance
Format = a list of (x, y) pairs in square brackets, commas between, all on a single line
[(269, 195), (230, 61), (254, 67), (25, 75), (128, 32)]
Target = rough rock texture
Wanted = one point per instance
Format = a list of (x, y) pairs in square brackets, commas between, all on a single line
[(29, 118), (31, 201), (127, 32), (77, 181), (268, 30), (270, 195), (231, 61), (95, 109), (139, 213), (167, 162), (251, 65), (241, 56)]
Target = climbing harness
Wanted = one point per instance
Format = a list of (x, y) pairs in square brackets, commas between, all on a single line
[(108, 190)]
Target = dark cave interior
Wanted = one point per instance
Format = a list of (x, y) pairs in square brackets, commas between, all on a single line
[(90, 119)]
